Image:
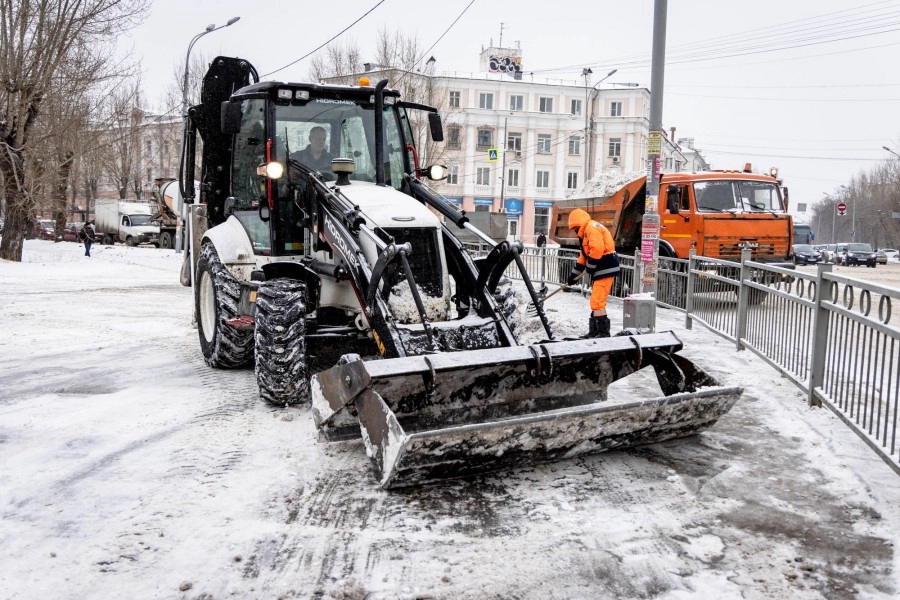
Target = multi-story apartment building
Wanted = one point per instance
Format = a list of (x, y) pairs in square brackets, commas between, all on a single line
[(515, 143)]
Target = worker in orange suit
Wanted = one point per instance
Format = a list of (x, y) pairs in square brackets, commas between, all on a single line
[(598, 257)]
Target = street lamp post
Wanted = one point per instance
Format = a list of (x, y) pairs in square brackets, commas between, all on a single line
[(184, 115), (588, 125)]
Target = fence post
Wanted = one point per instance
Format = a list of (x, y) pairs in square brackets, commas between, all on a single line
[(824, 291), (638, 273), (743, 297), (689, 290)]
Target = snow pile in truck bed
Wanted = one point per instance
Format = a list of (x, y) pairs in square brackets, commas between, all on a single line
[(604, 185)]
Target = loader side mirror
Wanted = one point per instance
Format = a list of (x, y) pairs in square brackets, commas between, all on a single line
[(231, 117), (437, 129), (673, 199)]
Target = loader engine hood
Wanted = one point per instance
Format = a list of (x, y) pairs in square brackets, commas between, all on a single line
[(387, 207)]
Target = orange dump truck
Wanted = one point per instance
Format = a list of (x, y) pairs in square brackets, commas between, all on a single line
[(716, 212)]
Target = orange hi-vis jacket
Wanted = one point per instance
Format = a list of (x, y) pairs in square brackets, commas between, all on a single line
[(598, 250)]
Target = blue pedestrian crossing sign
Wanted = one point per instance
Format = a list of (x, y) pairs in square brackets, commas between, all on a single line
[(493, 153)]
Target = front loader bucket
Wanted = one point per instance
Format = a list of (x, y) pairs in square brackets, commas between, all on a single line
[(452, 414)]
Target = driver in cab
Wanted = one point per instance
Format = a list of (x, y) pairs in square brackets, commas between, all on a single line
[(315, 156)]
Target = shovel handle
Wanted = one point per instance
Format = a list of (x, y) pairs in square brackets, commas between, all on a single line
[(564, 286)]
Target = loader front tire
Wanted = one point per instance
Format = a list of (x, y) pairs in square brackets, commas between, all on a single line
[(217, 298), (282, 372)]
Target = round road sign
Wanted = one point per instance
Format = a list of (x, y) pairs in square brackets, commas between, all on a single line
[(842, 207)]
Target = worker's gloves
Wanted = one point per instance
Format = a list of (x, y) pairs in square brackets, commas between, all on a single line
[(573, 277)]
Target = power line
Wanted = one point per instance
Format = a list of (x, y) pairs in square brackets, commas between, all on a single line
[(344, 30)]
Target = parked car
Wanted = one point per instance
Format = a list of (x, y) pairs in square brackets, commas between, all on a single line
[(805, 254), (891, 254), (44, 229), (880, 257), (70, 233), (829, 252), (858, 254)]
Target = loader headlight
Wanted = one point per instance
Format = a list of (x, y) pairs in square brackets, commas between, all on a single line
[(435, 172), (272, 170)]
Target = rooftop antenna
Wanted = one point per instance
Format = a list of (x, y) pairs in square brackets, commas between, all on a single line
[(500, 45)]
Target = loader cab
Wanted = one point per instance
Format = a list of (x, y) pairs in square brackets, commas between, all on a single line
[(280, 123)]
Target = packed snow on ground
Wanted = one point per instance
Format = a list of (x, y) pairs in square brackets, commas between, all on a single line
[(129, 469)]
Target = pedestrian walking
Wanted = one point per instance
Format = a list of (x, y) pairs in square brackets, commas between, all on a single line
[(87, 235), (541, 240), (598, 257)]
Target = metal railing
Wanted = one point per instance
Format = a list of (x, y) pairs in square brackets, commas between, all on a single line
[(835, 337)]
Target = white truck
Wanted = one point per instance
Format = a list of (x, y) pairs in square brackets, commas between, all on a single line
[(125, 221)]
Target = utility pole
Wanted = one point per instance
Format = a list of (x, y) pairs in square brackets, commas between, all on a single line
[(651, 222)]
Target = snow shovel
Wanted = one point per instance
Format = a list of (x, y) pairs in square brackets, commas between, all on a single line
[(532, 310), (451, 414)]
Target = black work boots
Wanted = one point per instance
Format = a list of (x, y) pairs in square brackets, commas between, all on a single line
[(598, 327)]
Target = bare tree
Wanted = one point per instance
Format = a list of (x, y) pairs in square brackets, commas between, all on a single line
[(399, 59), (39, 41), (339, 63)]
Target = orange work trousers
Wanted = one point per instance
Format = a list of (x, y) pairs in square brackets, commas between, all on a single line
[(599, 292)]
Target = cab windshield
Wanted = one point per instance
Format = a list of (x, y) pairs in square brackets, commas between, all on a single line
[(321, 129), (737, 196)]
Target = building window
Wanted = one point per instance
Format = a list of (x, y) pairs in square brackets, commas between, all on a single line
[(483, 176), (576, 106), (149, 177), (543, 146), (615, 109), (166, 147), (486, 100), (615, 147), (454, 99), (485, 139), (541, 219), (545, 105), (514, 141), (453, 174), (543, 179), (516, 103), (149, 147), (453, 137), (572, 181), (513, 179), (482, 208), (575, 145)]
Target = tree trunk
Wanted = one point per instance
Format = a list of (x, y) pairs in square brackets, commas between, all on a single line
[(19, 211)]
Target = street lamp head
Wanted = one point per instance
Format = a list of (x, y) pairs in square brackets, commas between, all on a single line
[(611, 73), (210, 27), (232, 21)]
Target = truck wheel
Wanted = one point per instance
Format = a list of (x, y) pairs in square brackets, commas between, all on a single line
[(108, 240), (130, 241), (217, 296), (165, 240), (282, 372)]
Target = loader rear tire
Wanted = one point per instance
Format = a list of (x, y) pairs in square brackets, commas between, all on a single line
[(217, 298), (282, 372)]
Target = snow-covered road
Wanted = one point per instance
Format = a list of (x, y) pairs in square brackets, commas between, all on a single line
[(128, 468)]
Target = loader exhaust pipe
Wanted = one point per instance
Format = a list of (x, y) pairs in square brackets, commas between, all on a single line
[(379, 132)]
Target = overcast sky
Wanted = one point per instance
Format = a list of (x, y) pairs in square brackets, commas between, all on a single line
[(812, 88)]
